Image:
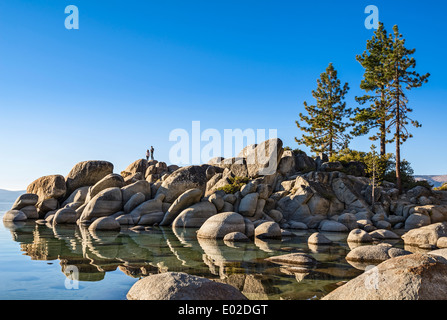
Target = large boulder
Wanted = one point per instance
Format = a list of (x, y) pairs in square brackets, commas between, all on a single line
[(87, 173), (427, 235), (77, 196), (105, 224), (109, 181), (185, 200), (318, 238), (48, 187), (30, 212), (134, 201), (268, 230), (65, 216), (348, 193), (417, 220), (139, 186), (359, 236), (181, 286), (150, 219), (25, 200), (181, 180), (374, 254), (105, 203), (264, 159), (409, 277), (195, 216), (14, 216), (247, 206), (220, 224), (332, 226), (148, 207), (419, 191), (138, 166)]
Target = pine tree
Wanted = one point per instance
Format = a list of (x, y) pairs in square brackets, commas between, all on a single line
[(400, 68), (375, 82), (326, 121)]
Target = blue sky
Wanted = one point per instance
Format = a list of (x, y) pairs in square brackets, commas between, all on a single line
[(136, 70)]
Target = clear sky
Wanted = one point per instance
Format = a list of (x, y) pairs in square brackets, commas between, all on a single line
[(136, 70)]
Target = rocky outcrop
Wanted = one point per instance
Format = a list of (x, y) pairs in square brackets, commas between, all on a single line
[(261, 193)]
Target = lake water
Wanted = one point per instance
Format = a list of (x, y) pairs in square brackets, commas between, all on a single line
[(39, 261)]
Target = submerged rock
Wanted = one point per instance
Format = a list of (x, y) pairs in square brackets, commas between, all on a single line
[(293, 259), (318, 238)]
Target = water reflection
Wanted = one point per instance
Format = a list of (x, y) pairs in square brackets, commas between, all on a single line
[(159, 249)]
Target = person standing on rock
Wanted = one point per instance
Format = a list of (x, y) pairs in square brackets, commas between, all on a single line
[(147, 155), (152, 153)]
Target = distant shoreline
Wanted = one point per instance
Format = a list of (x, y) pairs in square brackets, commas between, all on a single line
[(10, 196), (435, 180)]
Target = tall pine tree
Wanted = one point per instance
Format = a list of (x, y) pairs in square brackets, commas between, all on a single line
[(400, 69), (375, 82), (327, 120)]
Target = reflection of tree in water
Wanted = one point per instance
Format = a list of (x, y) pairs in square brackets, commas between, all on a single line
[(160, 249)]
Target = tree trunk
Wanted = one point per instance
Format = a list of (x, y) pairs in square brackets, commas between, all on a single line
[(383, 125), (398, 176)]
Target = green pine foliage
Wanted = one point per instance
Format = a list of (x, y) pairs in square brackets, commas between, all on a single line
[(375, 82), (326, 122), (236, 184), (400, 68)]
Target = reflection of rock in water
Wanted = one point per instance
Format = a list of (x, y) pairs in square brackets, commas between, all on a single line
[(160, 249), (223, 260), (135, 271), (86, 271), (253, 286)]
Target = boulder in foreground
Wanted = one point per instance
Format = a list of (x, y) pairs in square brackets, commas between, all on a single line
[(182, 286), (410, 277)]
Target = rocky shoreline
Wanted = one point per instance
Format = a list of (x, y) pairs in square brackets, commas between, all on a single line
[(300, 193)]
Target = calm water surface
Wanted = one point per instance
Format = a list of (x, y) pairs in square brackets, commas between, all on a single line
[(35, 262)]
